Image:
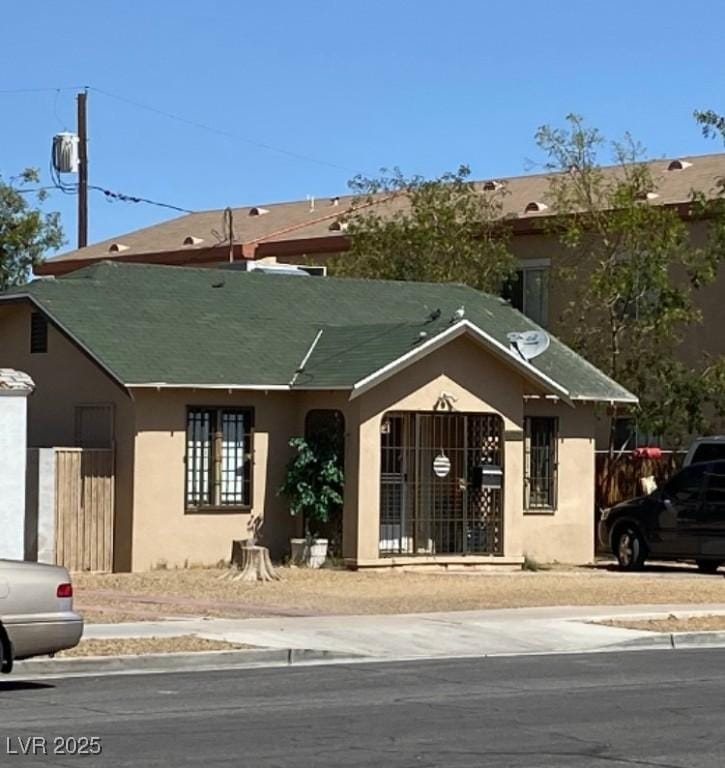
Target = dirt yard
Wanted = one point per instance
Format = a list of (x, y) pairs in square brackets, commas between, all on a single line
[(672, 623), (141, 646), (303, 592)]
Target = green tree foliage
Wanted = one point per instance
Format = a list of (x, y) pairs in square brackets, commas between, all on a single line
[(440, 230), (711, 123), (313, 483), (631, 270), (26, 233)]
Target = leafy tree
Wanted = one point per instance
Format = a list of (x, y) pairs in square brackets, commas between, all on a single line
[(439, 230), (632, 270), (26, 233), (313, 484), (711, 123)]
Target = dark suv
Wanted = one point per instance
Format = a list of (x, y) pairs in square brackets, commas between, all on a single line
[(683, 520)]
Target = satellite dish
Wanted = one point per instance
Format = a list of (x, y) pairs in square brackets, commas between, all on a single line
[(529, 344)]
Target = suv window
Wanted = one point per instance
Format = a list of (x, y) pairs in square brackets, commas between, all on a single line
[(708, 452), (686, 485)]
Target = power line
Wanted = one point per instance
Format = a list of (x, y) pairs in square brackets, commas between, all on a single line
[(72, 189), (222, 132), (11, 91), (186, 121), (135, 199)]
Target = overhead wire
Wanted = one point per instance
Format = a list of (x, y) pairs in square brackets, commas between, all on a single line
[(223, 132), (71, 189)]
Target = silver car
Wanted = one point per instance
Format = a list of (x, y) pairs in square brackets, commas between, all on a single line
[(36, 611)]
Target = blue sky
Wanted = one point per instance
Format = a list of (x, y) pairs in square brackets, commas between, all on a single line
[(356, 86)]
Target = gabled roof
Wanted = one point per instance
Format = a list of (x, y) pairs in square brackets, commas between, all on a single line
[(304, 227), (180, 326)]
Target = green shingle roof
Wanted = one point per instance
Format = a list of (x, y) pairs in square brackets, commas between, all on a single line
[(182, 326)]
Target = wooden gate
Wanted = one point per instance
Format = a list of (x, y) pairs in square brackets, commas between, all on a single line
[(84, 508)]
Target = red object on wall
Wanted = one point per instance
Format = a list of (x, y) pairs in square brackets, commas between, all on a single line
[(648, 453)]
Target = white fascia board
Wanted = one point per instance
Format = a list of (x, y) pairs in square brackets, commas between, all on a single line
[(235, 387), (632, 400), (458, 329), (165, 385)]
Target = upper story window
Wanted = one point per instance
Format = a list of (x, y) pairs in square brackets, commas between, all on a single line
[(528, 290), (38, 333), (218, 458)]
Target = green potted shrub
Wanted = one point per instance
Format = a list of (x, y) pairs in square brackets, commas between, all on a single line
[(313, 485)]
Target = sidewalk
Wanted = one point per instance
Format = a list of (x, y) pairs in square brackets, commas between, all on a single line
[(461, 633)]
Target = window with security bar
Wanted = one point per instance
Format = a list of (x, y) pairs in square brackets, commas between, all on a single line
[(540, 463), (218, 458)]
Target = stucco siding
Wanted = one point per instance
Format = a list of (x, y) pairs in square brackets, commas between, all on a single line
[(566, 534), (480, 384), (164, 532), (65, 377)]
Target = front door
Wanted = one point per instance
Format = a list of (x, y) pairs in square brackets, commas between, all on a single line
[(441, 484)]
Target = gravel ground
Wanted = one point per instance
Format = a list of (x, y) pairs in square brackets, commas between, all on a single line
[(304, 592), (140, 646), (672, 623)]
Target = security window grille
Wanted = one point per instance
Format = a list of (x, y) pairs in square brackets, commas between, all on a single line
[(218, 457), (38, 333), (540, 467)]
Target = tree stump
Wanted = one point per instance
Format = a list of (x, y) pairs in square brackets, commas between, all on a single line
[(251, 563)]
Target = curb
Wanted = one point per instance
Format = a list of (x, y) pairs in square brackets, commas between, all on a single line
[(697, 639), (672, 641), (196, 661)]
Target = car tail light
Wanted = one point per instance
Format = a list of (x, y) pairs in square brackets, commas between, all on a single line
[(65, 590)]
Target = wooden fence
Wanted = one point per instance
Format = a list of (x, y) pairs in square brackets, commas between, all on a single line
[(84, 508), (618, 477)]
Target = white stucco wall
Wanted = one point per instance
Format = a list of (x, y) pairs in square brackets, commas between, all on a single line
[(13, 457)]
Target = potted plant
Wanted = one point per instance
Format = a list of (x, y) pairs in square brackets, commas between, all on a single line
[(313, 485)]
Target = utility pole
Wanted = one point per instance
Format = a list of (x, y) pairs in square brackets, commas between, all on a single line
[(82, 171)]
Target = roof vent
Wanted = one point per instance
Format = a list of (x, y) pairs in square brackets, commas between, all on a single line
[(678, 165), (256, 211), (339, 226), (535, 207), (191, 240), (644, 196), (492, 185), (118, 248), (335, 201)]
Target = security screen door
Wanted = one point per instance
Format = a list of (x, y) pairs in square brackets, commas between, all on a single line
[(441, 484)]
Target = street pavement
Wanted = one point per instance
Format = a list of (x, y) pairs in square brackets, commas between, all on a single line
[(605, 709), (461, 633)]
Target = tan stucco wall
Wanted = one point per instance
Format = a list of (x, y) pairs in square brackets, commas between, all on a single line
[(64, 378), (164, 532), (565, 535), (481, 384)]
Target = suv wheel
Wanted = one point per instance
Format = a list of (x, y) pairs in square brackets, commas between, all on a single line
[(629, 548), (708, 566)]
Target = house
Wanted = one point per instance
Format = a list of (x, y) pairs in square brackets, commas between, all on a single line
[(313, 230), (460, 446)]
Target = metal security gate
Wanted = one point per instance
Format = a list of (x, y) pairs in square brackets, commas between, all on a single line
[(441, 484)]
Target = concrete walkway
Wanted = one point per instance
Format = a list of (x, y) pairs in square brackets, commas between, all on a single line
[(463, 633)]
